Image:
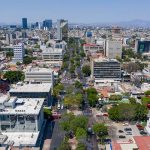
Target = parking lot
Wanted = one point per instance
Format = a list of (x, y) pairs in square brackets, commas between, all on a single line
[(125, 132)]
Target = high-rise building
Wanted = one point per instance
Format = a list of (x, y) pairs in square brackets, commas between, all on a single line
[(62, 29), (113, 49), (47, 24), (142, 46), (18, 52), (24, 23)]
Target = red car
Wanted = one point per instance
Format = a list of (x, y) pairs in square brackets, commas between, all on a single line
[(148, 106), (105, 115)]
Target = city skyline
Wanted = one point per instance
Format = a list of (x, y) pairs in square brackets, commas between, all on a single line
[(84, 11)]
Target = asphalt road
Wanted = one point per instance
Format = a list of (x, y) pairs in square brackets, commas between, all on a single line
[(58, 134)]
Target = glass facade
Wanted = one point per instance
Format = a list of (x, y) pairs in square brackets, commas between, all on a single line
[(24, 23), (143, 47), (107, 70)]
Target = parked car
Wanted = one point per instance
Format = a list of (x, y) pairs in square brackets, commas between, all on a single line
[(129, 133), (120, 131), (128, 129), (142, 132), (125, 124), (122, 136)]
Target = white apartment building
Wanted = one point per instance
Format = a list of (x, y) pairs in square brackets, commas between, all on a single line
[(53, 55), (113, 49), (21, 120), (19, 52), (42, 75)]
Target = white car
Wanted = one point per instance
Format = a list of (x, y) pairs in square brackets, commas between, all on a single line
[(62, 106), (58, 107)]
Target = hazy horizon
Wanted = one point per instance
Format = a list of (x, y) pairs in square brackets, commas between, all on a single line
[(78, 11)]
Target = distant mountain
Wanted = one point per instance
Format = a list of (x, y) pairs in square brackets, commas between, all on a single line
[(135, 23), (132, 23)]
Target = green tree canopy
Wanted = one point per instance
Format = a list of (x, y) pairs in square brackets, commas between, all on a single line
[(79, 122), (81, 133), (132, 100), (147, 93), (115, 97), (57, 89), (14, 76), (81, 146), (86, 70), (128, 112), (78, 85), (100, 129), (27, 60), (92, 96)]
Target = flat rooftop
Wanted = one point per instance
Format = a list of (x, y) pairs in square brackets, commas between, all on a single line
[(29, 106), (31, 88), (21, 138), (103, 59), (38, 70), (52, 50), (3, 98)]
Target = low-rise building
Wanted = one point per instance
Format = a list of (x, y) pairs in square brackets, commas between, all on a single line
[(33, 90), (21, 120), (42, 75), (53, 55), (93, 48)]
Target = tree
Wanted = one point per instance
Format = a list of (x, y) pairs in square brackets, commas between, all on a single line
[(27, 60), (92, 96), (81, 146), (118, 58), (66, 120), (78, 85), (9, 54), (73, 100), (141, 112), (72, 69), (81, 133), (18, 63), (14, 76), (145, 100), (64, 145), (147, 93), (79, 122), (47, 112), (115, 97), (100, 129), (65, 65), (57, 89), (93, 99), (82, 54), (114, 114), (86, 70), (132, 100), (127, 112)]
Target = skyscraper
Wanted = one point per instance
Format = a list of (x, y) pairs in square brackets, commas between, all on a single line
[(47, 24), (62, 29), (24, 23)]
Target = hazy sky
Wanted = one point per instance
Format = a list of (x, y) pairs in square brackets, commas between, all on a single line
[(84, 11)]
